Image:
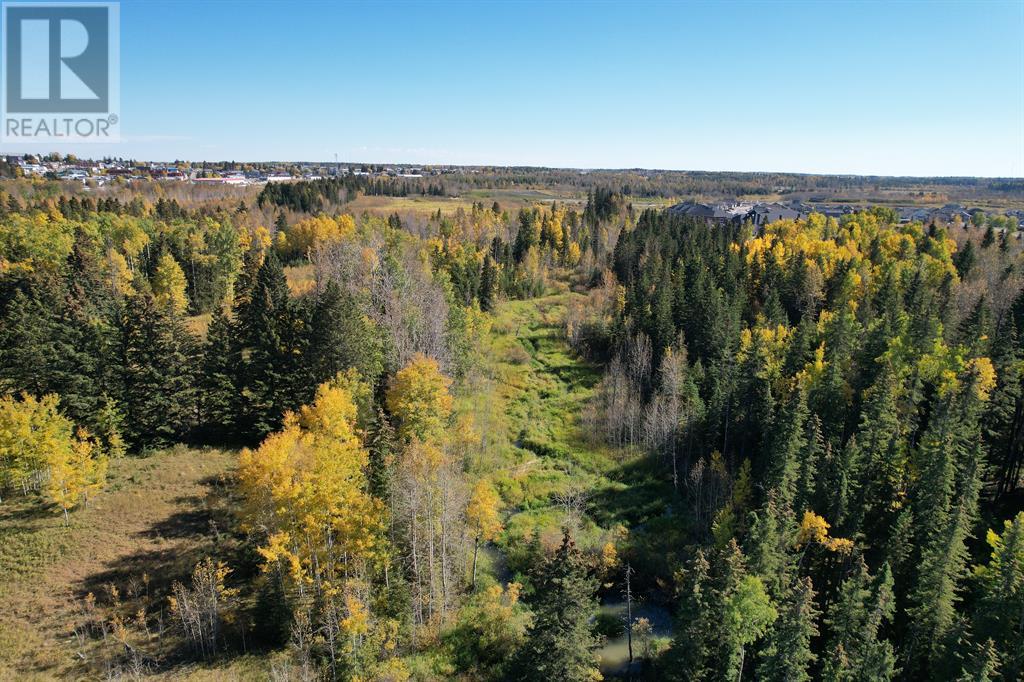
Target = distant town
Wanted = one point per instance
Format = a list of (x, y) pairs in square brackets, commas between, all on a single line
[(98, 173), (101, 172)]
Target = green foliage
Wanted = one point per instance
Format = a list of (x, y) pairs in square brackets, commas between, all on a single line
[(748, 613), (857, 649), (999, 613), (788, 655), (560, 643), (158, 373)]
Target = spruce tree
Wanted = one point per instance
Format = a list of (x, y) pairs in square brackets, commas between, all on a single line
[(945, 507), (788, 655), (857, 650), (488, 285), (561, 644), (689, 657), (882, 460), (218, 389), (787, 444), (341, 337), (263, 317), (998, 616), (158, 355)]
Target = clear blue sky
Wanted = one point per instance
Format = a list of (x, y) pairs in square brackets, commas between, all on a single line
[(897, 88)]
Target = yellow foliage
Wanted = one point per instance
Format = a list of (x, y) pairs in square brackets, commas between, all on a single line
[(609, 556), (307, 233), (418, 397), (814, 530), (572, 257), (305, 490), (38, 443), (482, 512), (983, 375), (119, 275), (169, 285)]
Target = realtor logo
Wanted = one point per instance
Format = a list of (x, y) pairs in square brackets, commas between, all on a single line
[(61, 68)]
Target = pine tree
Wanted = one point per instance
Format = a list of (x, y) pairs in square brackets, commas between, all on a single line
[(560, 644), (218, 390), (158, 374), (788, 655), (857, 650), (263, 319)]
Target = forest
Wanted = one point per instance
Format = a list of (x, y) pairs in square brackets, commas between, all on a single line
[(562, 441)]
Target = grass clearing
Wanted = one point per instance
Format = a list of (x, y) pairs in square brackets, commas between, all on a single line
[(528, 399), (157, 516)]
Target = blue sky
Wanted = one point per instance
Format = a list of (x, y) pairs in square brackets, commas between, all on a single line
[(900, 88)]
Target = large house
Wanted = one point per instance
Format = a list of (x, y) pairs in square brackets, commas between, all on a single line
[(738, 212)]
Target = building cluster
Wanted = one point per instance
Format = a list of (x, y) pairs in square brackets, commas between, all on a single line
[(759, 214), (101, 172)]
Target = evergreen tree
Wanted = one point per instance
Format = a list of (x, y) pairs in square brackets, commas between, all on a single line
[(218, 389), (945, 506), (263, 319), (788, 655), (341, 337), (787, 445), (881, 457), (857, 650), (381, 443), (965, 260), (982, 664), (488, 285), (560, 644), (157, 354), (810, 462), (689, 657), (998, 618)]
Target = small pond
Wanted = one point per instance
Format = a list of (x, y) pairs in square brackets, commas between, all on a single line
[(615, 652)]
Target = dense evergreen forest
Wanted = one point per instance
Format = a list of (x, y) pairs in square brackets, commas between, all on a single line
[(803, 442)]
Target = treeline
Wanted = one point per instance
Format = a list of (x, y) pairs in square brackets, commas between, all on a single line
[(311, 196), (487, 254), (94, 311), (839, 408), (644, 183)]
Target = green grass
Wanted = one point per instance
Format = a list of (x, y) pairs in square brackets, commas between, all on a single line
[(532, 393)]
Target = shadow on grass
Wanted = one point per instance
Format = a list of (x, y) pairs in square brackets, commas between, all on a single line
[(25, 509), (637, 491)]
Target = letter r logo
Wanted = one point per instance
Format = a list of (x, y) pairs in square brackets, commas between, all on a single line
[(56, 58)]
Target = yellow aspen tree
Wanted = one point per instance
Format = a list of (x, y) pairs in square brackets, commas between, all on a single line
[(29, 429), (40, 450), (76, 474), (483, 518), (419, 399), (119, 274), (169, 284), (306, 495)]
